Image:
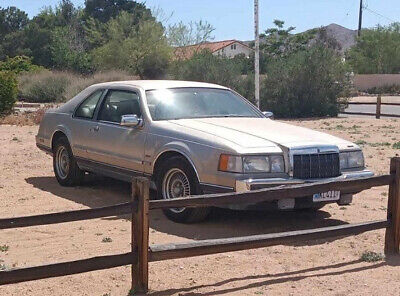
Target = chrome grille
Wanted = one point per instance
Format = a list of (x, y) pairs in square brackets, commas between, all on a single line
[(316, 166)]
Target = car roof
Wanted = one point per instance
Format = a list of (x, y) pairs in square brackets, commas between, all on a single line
[(157, 84)]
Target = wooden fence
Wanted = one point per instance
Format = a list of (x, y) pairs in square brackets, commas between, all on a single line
[(378, 109), (142, 253)]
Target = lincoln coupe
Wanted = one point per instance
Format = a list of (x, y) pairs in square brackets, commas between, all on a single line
[(192, 138)]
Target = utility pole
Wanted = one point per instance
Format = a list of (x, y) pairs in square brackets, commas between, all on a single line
[(256, 56), (360, 18)]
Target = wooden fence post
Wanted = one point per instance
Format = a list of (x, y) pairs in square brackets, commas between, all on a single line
[(392, 237), (140, 234), (378, 107)]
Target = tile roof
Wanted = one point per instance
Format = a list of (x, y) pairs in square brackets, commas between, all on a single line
[(185, 52)]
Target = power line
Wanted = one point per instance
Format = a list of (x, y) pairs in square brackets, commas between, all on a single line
[(378, 14)]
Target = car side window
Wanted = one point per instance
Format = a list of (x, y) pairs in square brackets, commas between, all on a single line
[(118, 103), (87, 108)]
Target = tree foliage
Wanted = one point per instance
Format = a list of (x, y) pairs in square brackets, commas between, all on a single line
[(12, 23), (68, 51), (19, 64), (206, 67), (305, 84), (141, 49), (104, 10), (377, 51), (181, 34), (12, 19), (280, 42), (8, 91)]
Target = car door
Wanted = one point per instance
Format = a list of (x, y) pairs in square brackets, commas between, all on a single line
[(83, 123), (115, 145)]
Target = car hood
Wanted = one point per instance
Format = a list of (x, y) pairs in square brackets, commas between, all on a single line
[(262, 132)]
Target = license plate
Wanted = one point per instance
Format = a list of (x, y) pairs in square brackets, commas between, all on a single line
[(325, 196)]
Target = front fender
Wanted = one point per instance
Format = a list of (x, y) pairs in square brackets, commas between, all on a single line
[(179, 147)]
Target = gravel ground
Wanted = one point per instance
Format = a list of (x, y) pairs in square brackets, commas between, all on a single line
[(28, 186)]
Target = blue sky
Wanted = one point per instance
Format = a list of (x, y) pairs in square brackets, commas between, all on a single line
[(233, 19)]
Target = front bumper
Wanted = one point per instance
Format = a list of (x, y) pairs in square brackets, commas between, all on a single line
[(251, 184), (297, 203)]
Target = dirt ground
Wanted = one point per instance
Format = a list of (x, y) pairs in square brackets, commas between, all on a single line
[(28, 186)]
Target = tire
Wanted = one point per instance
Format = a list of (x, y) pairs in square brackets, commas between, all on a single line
[(177, 178), (65, 167)]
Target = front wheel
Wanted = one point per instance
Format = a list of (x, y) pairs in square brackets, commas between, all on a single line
[(65, 167), (177, 178)]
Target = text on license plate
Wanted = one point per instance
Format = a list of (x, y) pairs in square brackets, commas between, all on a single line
[(324, 196)]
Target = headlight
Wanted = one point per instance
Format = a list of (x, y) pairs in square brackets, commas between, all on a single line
[(353, 159), (277, 164), (251, 163), (256, 164)]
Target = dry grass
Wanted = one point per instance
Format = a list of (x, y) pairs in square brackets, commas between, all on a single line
[(79, 83), (62, 86), (27, 118)]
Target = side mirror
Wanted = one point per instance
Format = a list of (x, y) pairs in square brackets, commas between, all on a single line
[(130, 120), (268, 114)]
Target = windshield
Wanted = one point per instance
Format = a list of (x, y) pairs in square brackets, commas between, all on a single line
[(180, 103)]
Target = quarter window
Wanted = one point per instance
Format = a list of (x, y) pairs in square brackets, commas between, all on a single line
[(87, 108), (118, 103)]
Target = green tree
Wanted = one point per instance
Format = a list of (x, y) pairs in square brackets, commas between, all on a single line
[(377, 51), (206, 67), (280, 42), (68, 52), (12, 23), (181, 34), (104, 10), (12, 19), (8, 91), (37, 41), (140, 49), (306, 83)]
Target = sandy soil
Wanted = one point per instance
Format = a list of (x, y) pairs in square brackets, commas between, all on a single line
[(27, 186)]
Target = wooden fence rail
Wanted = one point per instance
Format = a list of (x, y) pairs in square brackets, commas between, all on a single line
[(142, 253), (70, 216), (378, 110)]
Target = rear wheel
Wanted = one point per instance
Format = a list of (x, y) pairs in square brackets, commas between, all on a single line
[(65, 167), (176, 178)]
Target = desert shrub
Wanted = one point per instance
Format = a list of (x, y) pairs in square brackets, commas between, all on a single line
[(79, 83), (25, 118), (386, 89), (53, 86), (44, 87), (376, 51), (370, 256), (305, 84), (19, 64), (8, 91)]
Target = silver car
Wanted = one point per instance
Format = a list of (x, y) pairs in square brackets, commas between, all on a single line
[(191, 138)]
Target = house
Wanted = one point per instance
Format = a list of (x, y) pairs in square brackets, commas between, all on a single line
[(228, 48)]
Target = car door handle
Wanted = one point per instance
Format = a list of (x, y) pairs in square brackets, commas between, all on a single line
[(95, 129)]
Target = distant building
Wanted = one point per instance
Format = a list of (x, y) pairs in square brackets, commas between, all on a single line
[(228, 48)]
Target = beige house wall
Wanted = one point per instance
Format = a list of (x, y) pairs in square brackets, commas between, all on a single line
[(364, 82), (233, 49)]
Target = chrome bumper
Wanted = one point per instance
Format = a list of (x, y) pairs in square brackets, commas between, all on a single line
[(249, 184)]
